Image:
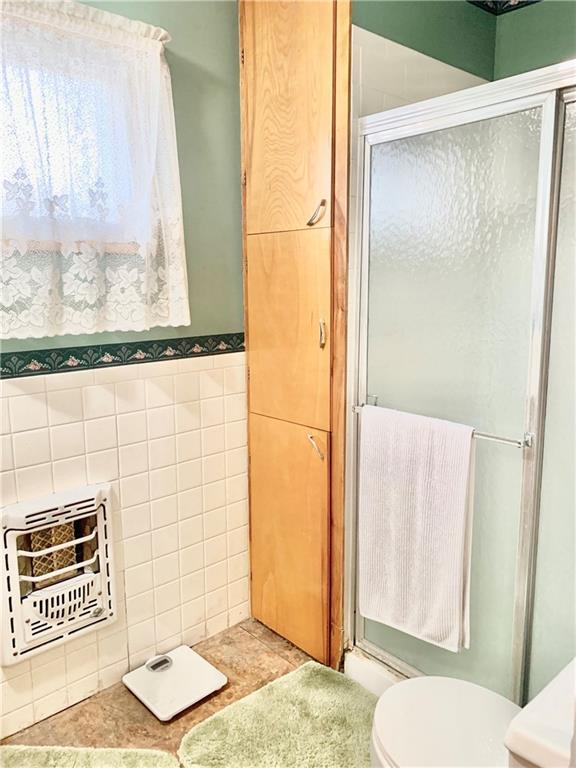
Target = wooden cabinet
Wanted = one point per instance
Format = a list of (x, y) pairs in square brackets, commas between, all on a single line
[(287, 73), (289, 472), (288, 315)]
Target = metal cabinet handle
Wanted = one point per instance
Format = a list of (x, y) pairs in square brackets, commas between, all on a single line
[(322, 334), (316, 447), (317, 215)]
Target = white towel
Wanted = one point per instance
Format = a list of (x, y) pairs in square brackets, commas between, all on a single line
[(416, 490)]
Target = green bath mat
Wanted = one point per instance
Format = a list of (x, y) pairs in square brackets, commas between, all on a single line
[(70, 757), (312, 718)]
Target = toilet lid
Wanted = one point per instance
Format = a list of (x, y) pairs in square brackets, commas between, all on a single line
[(439, 721)]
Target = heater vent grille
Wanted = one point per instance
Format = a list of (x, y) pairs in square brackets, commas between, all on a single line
[(56, 570)]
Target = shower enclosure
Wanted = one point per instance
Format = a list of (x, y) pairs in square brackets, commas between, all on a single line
[(461, 308)]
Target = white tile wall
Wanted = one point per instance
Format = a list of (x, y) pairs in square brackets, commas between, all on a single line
[(171, 438)]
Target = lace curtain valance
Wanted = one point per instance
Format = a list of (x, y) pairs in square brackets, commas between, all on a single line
[(92, 236)]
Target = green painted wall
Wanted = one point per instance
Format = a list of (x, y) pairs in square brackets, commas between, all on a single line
[(452, 31), (535, 36), (203, 60)]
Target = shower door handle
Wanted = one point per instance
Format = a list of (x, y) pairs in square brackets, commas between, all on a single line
[(316, 446), (317, 215), (322, 334)]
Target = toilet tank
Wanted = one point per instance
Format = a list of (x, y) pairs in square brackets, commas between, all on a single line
[(542, 733)]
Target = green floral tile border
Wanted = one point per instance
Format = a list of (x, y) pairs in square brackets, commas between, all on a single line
[(36, 362)]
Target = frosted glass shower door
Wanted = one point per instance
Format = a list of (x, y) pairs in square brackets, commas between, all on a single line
[(449, 244)]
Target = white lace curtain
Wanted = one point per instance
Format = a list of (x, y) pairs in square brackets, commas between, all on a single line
[(92, 236)]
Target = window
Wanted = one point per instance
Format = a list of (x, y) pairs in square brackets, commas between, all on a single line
[(92, 234)]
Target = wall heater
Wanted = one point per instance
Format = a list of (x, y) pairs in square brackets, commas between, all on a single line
[(57, 570)]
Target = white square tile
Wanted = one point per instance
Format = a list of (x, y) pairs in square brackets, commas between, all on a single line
[(81, 663), (161, 421), (27, 412), (193, 635), (216, 576), (162, 482), (191, 531), (112, 648), (48, 678), (65, 406), (187, 416), (5, 427), (101, 434), (186, 387), (238, 592), (33, 481), (112, 674), (98, 401), (69, 380), (131, 428), (213, 440), (230, 360), (214, 523), (116, 373), (238, 566), (193, 613), (82, 689), (189, 475), (214, 495), (135, 520), (237, 514), (133, 459), (27, 385), (138, 579), (140, 607), (213, 468), (162, 452), (130, 396), (6, 454), (103, 466), (134, 490), (16, 693), (190, 503), (31, 448), (235, 407), (165, 541), (212, 412), (191, 559), (216, 602), (236, 434), (236, 461), (67, 440), (215, 550), (234, 380), (167, 596), (141, 636), (51, 704), (212, 383), (8, 493), (13, 722), (188, 446), (216, 624), (159, 391), (159, 368), (237, 541), (166, 569), (137, 550), (238, 613), (164, 511), (198, 363), (69, 473), (168, 624), (236, 488), (192, 586)]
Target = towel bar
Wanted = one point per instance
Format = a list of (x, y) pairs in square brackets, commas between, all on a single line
[(526, 441)]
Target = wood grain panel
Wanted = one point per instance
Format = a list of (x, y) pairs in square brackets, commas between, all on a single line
[(289, 529), (288, 290), (287, 50)]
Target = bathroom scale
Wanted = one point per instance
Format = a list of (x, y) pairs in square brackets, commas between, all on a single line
[(172, 682)]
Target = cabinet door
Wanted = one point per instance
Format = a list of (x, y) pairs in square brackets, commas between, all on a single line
[(287, 90), (289, 517), (288, 311)]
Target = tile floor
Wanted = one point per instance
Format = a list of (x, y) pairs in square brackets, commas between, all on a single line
[(249, 654)]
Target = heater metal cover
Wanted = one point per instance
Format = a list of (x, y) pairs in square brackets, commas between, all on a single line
[(56, 569)]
